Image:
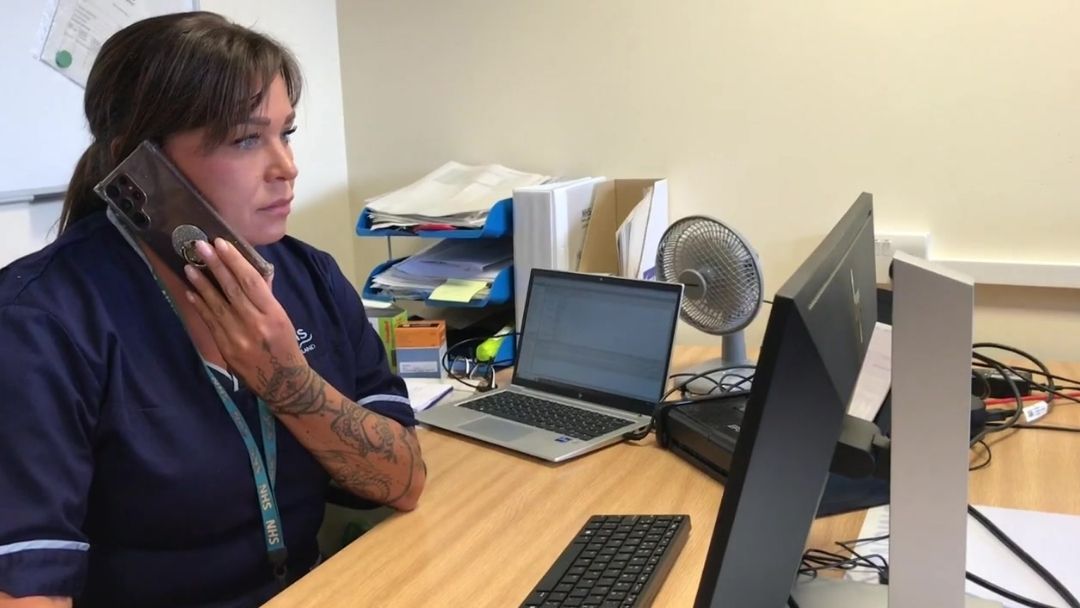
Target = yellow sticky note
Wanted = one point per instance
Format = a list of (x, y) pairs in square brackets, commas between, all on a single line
[(457, 290)]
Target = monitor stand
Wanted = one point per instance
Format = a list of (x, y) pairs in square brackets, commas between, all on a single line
[(931, 362), (822, 593)]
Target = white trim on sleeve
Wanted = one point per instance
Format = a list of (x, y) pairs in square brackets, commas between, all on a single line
[(30, 545), (394, 398)]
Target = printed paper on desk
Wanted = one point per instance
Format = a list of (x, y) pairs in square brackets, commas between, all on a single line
[(875, 377), (424, 393), (1050, 538)]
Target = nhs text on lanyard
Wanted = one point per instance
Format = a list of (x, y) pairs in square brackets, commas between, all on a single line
[(265, 475)]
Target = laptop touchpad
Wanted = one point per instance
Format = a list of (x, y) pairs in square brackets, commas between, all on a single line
[(495, 428)]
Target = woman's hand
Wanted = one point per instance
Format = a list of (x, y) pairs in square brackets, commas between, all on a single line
[(371, 455), (251, 329)]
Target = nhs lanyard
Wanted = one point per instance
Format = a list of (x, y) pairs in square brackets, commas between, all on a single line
[(264, 471)]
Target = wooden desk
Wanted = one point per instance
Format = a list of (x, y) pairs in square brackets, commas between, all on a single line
[(491, 522)]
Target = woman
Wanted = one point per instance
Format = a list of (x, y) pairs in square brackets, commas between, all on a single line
[(166, 442)]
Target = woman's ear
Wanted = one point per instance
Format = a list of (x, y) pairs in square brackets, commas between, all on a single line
[(119, 147), (115, 148)]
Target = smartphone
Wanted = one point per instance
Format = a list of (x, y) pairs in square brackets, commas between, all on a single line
[(162, 209)]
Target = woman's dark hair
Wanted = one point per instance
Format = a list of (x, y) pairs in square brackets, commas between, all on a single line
[(169, 74)]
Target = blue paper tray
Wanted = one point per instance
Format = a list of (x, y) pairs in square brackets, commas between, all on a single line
[(499, 223), (502, 289)]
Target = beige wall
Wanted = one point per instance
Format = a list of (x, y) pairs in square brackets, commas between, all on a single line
[(772, 115)]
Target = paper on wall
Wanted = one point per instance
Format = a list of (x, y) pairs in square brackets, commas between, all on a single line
[(78, 28)]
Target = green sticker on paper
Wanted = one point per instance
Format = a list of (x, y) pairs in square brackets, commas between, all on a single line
[(63, 59)]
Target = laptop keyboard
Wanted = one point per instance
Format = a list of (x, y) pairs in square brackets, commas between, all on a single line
[(548, 415), (617, 561)]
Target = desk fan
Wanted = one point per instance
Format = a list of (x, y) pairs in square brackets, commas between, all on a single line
[(722, 283)]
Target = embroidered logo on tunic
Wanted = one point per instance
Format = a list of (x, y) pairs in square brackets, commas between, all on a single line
[(304, 339)]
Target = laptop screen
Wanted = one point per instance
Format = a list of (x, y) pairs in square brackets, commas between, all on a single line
[(598, 338)]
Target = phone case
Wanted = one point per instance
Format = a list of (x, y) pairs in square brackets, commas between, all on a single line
[(163, 209)]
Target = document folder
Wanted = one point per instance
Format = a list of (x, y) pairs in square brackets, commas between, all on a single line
[(550, 221)]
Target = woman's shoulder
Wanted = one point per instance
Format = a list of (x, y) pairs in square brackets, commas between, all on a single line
[(292, 256), (62, 269), (310, 285), (295, 247)]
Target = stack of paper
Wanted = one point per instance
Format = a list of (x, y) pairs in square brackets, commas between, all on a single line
[(451, 270), (454, 195)]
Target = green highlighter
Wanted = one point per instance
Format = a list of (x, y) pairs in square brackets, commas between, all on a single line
[(488, 349)]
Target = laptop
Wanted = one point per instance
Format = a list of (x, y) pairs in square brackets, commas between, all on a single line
[(592, 362)]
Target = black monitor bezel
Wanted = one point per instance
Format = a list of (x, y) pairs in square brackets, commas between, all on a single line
[(788, 350)]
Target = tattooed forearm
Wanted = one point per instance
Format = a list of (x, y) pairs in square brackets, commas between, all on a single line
[(367, 433), (368, 454), (363, 477), (417, 466), (292, 390), (353, 474)]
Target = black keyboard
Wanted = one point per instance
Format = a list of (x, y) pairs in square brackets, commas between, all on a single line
[(615, 561), (548, 415)]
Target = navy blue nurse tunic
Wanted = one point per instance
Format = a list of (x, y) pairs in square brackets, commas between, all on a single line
[(123, 481)]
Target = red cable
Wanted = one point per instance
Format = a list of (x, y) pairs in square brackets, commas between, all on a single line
[(1031, 397)]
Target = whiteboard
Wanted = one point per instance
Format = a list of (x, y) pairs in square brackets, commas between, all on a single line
[(40, 109)]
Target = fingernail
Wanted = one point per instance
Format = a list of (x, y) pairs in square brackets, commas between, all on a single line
[(189, 270), (203, 248), (190, 296), (221, 244)]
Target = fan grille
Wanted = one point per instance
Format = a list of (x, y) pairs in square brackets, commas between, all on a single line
[(729, 269)]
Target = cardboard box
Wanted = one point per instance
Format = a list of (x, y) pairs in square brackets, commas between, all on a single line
[(421, 346), (614, 201), (385, 320)]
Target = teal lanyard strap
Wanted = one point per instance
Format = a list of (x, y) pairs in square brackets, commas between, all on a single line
[(265, 474)]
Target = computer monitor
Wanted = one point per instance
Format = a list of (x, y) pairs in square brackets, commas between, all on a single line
[(815, 341)]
